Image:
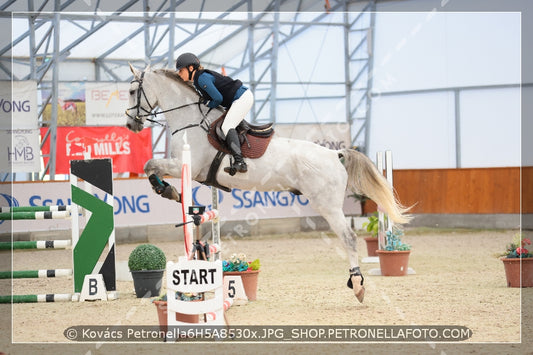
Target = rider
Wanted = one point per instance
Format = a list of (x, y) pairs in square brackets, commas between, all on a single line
[(216, 90)]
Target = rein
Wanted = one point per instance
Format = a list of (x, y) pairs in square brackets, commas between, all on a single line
[(149, 113)]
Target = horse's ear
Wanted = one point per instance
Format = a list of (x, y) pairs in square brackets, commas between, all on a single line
[(148, 67), (135, 71)]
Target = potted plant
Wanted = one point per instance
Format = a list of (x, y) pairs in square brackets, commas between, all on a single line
[(394, 259), (372, 242), (147, 265), (247, 270), (518, 262)]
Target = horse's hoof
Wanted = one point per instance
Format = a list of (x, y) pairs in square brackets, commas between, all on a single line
[(171, 193), (360, 295), (358, 289)]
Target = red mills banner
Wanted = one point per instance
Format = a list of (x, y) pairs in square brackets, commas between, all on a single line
[(128, 150)]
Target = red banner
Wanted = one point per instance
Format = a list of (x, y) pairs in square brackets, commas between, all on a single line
[(128, 150)]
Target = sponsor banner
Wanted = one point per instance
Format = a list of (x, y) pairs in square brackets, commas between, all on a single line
[(71, 104), (19, 151), (329, 135), (128, 150), (106, 103), (135, 204), (18, 104)]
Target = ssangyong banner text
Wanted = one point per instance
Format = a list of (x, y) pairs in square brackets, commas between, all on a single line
[(135, 204)]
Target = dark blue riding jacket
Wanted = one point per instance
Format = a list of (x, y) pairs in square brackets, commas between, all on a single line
[(217, 88)]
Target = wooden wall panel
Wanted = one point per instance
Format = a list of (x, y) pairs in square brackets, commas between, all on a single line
[(527, 190), (479, 191)]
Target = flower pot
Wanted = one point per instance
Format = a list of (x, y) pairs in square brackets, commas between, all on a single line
[(512, 271), (394, 262), (249, 281), (147, 283), (162, 316), (372, 244)]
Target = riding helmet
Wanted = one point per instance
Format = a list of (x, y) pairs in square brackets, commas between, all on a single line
[(187, 59)]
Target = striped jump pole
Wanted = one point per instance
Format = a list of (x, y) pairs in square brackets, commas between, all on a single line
[(34, 215), (186, 198), (214, 249), (36, 244), (33, 274), (49, 297), (228, 302), (209, 216), (186, 202), (34, 208)]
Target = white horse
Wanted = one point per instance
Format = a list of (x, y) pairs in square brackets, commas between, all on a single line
[(320, 174)]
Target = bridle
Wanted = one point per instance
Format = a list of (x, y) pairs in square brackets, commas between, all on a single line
[(147, 114)]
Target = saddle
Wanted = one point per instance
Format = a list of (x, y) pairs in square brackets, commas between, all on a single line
[(254, 139)]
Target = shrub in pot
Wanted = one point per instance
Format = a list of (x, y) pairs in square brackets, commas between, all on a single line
[(147, 266), (394, 259), (518, 262)]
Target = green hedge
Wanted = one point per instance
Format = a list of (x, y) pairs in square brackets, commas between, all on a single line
[(147, 257)]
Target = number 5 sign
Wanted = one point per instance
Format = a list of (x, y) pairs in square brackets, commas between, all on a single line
[(233, 288)]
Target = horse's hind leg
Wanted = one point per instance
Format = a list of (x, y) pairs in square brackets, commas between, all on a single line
[(341, 227), (355, 280), (156, 169)]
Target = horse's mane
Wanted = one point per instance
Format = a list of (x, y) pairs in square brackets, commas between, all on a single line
[(173, 75)]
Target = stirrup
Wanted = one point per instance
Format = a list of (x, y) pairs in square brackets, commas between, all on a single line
[(232, 169)]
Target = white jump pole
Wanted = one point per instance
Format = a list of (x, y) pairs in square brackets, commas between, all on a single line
[(388, 176), (381, 215), (387, 166)]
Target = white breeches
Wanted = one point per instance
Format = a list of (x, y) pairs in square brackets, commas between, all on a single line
[(238, 110)]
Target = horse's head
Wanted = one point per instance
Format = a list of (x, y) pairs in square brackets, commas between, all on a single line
[(142, 101)]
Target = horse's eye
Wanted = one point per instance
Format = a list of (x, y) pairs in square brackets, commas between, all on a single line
[(132, 92)]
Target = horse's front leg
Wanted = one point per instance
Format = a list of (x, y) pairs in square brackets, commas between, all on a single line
[(156, 169)]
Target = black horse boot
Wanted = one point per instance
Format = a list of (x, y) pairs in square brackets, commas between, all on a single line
[(238, 165)]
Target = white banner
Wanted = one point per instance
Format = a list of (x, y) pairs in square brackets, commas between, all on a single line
[(135, 204), (19, 136), (329, 135), (19, 151), (18, 101), (106, 103)]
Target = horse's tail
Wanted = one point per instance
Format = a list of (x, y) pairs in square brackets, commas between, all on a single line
[(364, 178)]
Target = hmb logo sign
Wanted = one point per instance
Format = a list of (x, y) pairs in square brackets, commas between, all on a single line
[(21, 151)]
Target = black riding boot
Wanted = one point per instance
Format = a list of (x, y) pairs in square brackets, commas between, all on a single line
[(238, 165)]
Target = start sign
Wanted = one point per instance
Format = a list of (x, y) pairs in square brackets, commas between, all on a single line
[(194, 277), (188, 276)]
